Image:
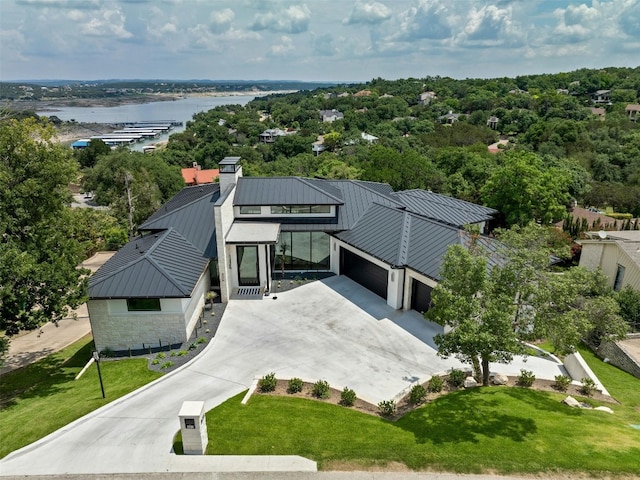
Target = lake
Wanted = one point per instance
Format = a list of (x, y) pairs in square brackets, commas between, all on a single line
[(180, 110)]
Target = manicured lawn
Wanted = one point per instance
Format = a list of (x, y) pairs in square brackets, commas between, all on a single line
[(499, 429), (40, 398)]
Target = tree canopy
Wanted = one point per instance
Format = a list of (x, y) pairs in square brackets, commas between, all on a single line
[(38, 259)]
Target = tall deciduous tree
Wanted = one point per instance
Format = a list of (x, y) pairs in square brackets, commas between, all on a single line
[(38, 275), (524, 190)]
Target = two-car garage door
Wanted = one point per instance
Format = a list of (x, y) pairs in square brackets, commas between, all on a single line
[(364, 272)]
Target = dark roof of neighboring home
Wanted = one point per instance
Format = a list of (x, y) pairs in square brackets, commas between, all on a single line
[(408, 239), (285, 191), (163, 265), (442, 208), (190, 212)]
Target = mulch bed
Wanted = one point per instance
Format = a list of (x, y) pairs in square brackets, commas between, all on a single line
[(404, 406)]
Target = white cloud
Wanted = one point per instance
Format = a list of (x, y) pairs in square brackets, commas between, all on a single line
[(109, 23), (85, 4), (294, 19), (490, 26), (368, 13), (284, 47), (428, 19), (324, 46), (221, 20)]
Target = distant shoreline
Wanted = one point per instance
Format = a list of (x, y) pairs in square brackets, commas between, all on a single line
[(51, 105)]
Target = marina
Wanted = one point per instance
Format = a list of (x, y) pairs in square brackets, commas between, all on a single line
[(131, 133)]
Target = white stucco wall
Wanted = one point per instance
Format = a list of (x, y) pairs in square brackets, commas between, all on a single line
[(223, 211), (114, 327), (412, 274)]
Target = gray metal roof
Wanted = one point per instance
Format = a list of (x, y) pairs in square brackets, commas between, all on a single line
[(190, 212), (285, 191), (443, 208), (404, 239), (164, 265)]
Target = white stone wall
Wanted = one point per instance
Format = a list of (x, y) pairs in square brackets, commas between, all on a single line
[(224, 219), (411, 274)]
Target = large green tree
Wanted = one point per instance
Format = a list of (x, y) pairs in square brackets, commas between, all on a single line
[(38, 275), (524, 190)]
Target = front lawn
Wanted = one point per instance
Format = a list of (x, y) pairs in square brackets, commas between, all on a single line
[(42, 397), (497, 429)]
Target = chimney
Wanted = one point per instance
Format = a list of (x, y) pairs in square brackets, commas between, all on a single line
[(230, 171)]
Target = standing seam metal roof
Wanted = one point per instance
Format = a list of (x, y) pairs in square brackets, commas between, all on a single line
[(152, 266), (285, 191)]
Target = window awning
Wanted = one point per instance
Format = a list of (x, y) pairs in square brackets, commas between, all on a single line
[(253, 232)]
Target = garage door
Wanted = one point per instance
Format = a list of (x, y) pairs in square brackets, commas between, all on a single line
[(367, 274), (420, 296)]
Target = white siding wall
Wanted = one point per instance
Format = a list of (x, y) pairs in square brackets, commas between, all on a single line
[(118, 329), (606, 255)]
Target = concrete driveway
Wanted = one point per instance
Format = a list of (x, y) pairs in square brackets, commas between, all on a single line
[(332, 329)]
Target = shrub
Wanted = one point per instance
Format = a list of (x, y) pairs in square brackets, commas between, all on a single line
[(588, 387), (526, 378), (295, 385), (202, 340), (347, 397), (182, 353), (193, 346), (321, 389), (417, 394), (166, 365), (435, 384), (155, 361), (173, 353), (387, 407), (562, 382), (457, 378), (161, 355), (267, 383)]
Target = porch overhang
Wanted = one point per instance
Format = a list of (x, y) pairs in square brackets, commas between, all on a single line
[(253, 233)]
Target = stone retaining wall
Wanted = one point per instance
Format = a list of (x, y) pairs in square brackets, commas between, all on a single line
[(620, 357)]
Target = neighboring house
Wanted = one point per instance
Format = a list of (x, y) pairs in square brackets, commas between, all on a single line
[(594, 219), (425, 98), (601, 96), (331, 115), (271, 134), (236, 234), (450, 118), (368, 137), (634, 111), (562, 91), (363, 93), (617, 254), (196, 176), (318, 147), (492, 122)]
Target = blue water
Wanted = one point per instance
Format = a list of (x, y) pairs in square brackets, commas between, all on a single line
[(180, 110)]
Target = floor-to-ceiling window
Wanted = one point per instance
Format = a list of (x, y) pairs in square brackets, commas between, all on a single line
[(303, 251), (248, 265)]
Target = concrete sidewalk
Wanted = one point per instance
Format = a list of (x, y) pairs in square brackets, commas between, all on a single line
[(37, 344)]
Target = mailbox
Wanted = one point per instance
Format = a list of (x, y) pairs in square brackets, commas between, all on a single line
[(193, 425)]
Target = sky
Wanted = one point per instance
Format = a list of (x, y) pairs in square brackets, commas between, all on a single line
[(312, 40)]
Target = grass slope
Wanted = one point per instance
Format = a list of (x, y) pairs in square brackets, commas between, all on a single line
[(42, 397), (497, 429)]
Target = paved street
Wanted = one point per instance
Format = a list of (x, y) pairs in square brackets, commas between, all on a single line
[(332, 329)]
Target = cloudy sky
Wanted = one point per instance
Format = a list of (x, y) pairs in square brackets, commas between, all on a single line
[(328, 40)]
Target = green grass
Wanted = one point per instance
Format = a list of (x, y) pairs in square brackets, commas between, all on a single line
[(498, 429), (42, 397)]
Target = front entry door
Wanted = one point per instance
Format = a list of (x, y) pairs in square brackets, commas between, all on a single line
[(248, 270)]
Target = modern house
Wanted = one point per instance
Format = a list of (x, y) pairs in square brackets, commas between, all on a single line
[(236, 235), (601, 96), (617, 254)]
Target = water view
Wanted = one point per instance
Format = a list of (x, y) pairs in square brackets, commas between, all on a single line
[(179, 110)]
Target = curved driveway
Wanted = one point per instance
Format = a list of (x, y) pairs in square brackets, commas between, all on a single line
[(332, 329)]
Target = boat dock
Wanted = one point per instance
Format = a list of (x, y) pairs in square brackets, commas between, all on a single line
[(130, 133)]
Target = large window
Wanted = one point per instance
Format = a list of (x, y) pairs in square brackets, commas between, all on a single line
[(300, 209), (143, 304), (303, 251), (617, 284), (250, 210)]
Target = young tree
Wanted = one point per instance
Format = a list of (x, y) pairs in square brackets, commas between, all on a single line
[(38, 275), (480, 312)]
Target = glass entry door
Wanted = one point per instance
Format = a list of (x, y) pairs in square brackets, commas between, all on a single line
[(248, 271)]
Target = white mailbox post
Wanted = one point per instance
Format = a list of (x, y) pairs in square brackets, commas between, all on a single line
[(193, 426)]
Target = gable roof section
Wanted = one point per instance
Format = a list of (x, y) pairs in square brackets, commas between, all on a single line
[(443, 208), (190, 212), (163, 265), (358, 197), (285, 191)]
